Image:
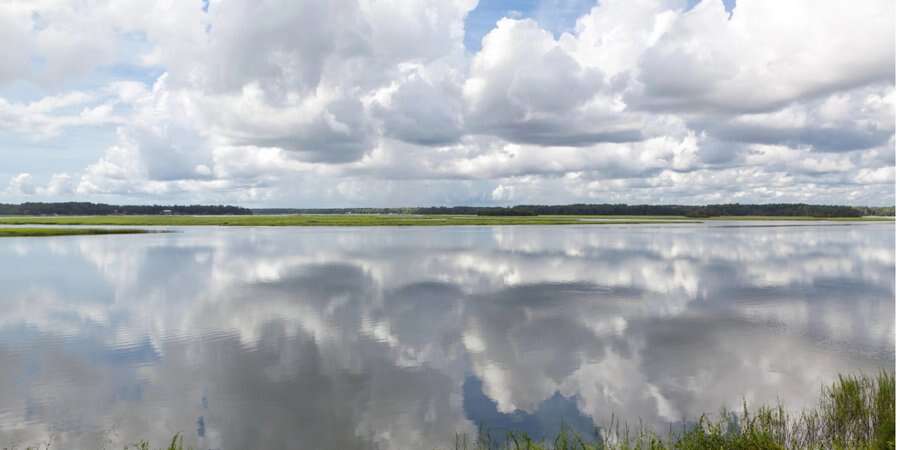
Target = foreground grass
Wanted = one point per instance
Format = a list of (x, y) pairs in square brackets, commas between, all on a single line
[(854, 412), (382, 220), (24, 232)]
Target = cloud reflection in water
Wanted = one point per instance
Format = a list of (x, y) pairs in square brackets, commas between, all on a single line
[(345, 338)]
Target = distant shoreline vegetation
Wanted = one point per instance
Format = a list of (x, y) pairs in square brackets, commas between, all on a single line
[(58, 231), (342, 220), (580, 209), (103, 209), (405, 220)]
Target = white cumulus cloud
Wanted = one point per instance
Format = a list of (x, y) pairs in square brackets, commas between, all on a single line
[(277, 102)]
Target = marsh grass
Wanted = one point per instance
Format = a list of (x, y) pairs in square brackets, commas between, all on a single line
[(356, 220), (177, 443), (855, 412), (59, 231), (363, 220)]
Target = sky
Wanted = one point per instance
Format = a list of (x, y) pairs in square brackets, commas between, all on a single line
[(305, 103)]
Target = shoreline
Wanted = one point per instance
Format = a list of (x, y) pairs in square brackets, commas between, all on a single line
[(54, 231), (362, 220)]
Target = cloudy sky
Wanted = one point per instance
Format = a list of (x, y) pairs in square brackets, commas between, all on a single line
[(421, 102)]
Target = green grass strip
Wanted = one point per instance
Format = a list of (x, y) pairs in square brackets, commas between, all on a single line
[(36, 232), (358, 220)]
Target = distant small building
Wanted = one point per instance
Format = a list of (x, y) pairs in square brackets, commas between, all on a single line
[(166, 212)]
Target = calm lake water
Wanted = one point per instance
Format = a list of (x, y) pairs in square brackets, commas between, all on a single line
[(343, 338)]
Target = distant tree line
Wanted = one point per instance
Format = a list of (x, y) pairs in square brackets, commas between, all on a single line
[(265, 211), (732, 209), (877, 210), (620, 209), (102, 209), (513, 211)]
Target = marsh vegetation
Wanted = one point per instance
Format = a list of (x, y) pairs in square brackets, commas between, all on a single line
[(356, 220), (60, 231), (362, 220)]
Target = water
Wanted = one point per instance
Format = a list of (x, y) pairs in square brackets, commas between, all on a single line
[(345, 338)]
